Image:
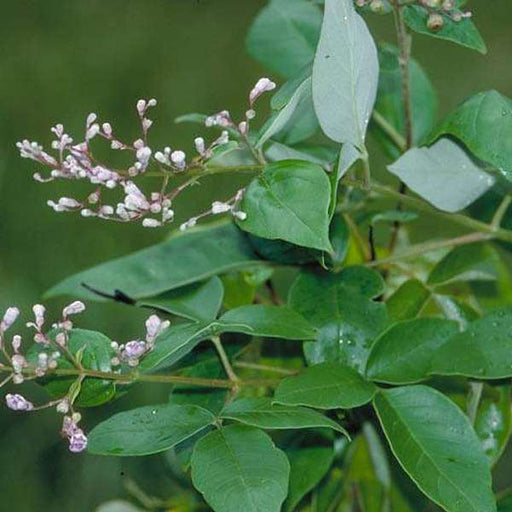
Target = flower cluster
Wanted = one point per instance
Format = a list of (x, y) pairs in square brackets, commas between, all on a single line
[(437, 9), (132, 352), (76, 161), (53, 348)]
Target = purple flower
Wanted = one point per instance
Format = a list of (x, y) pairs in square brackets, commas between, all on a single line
[(18, 403), (135, 349), (77, 442)]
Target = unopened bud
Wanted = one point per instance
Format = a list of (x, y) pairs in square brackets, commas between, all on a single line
[(435, 22)]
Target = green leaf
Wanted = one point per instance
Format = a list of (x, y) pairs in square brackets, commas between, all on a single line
[(277, 151), (282, 252), (289, 201), (484, 124), (403, 353), (493, 421), (408, 301), (443, 174), (345, 74), (175, 343), (307, 468), (255, 320), (284, 35), (147, 430), (184, 259), (260, 412), (267, 321), (198, 301), (340, 306), (482, 351), (462, 32), (96, 354), (390, 103), (285, 93), (474, 262), (285, 116), (436, 445), (325, 386), (239, 468)]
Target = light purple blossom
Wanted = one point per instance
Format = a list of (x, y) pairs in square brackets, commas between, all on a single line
[(135, 349), (262, 85), (78, 442), (10, 316), (74, 308), (18, 403)]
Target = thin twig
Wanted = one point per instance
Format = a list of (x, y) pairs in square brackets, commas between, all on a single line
[(416, 250), (501, 211)]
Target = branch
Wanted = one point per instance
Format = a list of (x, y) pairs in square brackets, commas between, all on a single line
[(156, 378), (418, 204)]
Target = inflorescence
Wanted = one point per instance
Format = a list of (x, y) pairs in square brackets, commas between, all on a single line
[(437, 10), (53, 351), (75, 161)]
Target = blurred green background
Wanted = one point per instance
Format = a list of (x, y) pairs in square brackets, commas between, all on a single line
[(60, 60)]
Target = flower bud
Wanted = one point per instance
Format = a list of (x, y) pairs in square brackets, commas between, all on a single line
[(435, 22), (10, 316), (377, 6), (73, 309)]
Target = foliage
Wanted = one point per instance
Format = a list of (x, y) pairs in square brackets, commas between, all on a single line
[(318, 360)]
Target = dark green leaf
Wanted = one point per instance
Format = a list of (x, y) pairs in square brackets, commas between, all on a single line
[(307, 468), (461, 32), (239, 468), (436, 445), (390, 103), (403, 353), (340, 306), (408, 301), (284, 35), (483, 351), (484, 124), (184, 259), (443, 174), (326, 386), (267, 321), (474, 262), (345, 74), (289, 201), (147, 430), (282, 252), (260, 412), (198, 301)]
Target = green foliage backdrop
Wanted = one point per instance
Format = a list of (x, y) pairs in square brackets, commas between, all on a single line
[(61, 59)]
